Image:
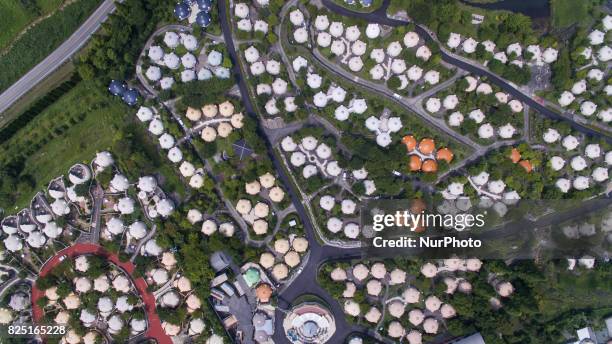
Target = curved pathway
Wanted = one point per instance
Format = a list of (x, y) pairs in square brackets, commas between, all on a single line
[(154, 329)]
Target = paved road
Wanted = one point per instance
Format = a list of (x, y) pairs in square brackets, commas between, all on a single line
[(58, 57), (154, 329)]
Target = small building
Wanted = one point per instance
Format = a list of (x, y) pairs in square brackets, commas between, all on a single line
[(230, 322), (219, 261)]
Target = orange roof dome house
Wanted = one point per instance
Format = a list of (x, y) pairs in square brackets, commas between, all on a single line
[(515, 155), (415, 163), (410, 142), (526, 164), (445, 154), (263, 292), (429, 165), (427, 146)]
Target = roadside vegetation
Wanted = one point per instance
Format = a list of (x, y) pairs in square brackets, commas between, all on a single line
[(70, 130), (25, 117), (113, 53), (41, 90), (22, 14), (38, 42), (80, 123)]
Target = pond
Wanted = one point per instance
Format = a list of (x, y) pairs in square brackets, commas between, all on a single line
[(532, 8)]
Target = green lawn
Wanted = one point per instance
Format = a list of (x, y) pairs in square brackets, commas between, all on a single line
[(567, 12), (71, 130), (80, 123), (21, 15)]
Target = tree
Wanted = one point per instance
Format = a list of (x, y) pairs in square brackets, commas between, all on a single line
[(562, 71), (199, 93), (272, 38), (394, 83)]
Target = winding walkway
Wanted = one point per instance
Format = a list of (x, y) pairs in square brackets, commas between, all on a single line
[(154, 329)]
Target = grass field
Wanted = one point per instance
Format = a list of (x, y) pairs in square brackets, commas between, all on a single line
[(21, 15), (41, 40), (80, 123), (71, 130), (567, 12)]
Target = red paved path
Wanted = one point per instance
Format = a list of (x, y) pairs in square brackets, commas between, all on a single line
[(154, 329)]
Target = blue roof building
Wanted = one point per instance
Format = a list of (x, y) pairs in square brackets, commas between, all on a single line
[(204, 5), (350, 2), (182, 11), (130, 97), (366, 3), (203, 19), (117, 88)]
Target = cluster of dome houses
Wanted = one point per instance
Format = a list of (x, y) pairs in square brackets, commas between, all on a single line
[(345, 43), (223, 117), (313, 157), (494, 194), (118, 304), (278, 89), (424, 313), (514, 53), (246, 22), (486, 130), (597, 55), (257, 215), (178, 292), (286, 255), (334, 93), (422, 156), (114, 311), (578, 164), (127, 94), (38, 225), (194, 64), (214, 121)]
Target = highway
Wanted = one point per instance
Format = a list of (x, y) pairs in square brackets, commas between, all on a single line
[(58, 57)]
